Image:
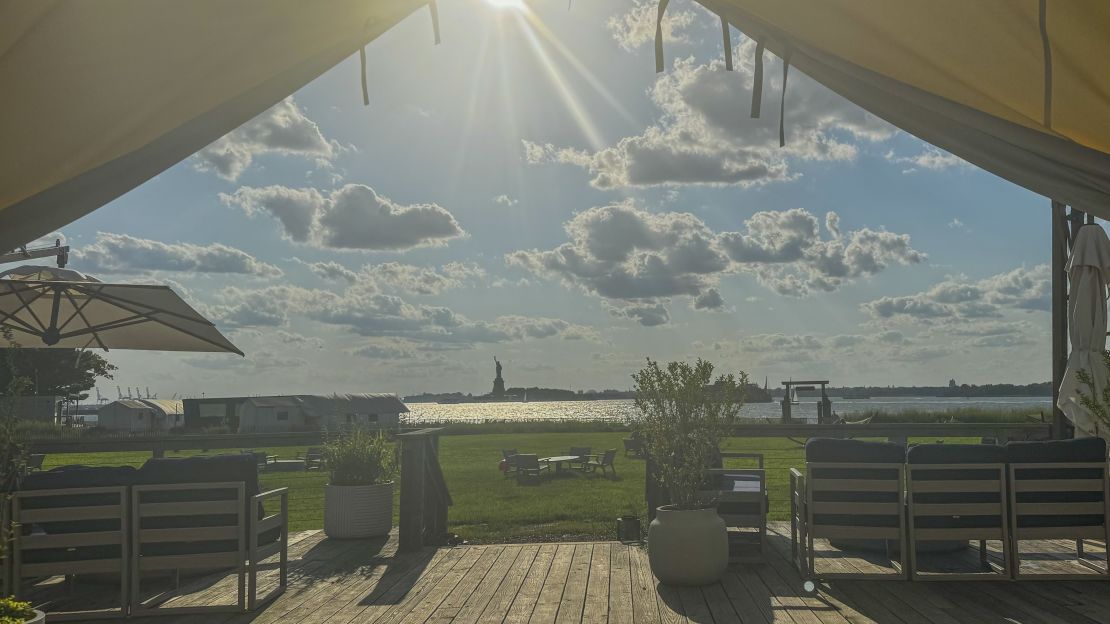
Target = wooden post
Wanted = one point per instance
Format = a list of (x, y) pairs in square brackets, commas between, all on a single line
[(410, 529), (1062, 238)]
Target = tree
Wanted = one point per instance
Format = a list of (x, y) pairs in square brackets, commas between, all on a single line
[(57, 372)]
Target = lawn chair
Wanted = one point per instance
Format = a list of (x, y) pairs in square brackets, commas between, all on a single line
[(528, 465), (1059, 490), (313, 458), (603, 461), (633, 447), (64, 529), (508, 458), (741, 495), (851, 492), (583, 454), (34, 462), (957, 492)]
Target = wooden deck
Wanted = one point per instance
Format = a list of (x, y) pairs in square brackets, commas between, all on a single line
[(344, 582)]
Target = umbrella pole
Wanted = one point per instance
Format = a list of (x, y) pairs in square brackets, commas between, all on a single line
[(1064, 228)]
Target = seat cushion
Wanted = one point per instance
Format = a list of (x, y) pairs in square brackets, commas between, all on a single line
[(956, 454), (834, 450), (1079, 450)]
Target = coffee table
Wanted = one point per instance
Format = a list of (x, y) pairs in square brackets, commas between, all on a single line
[(559, 460)]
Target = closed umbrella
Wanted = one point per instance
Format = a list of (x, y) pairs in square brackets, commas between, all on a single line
[(44, 307), (1088, 273)]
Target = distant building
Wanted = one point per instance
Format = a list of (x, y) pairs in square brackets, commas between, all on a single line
[(141, 415), (211, 413), (951, 383), (305, 412), (36, 408)]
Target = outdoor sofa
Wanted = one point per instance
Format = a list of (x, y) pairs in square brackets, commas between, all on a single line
[(194, 514), (860, 494)]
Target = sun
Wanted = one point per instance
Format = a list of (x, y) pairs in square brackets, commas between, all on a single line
[(507, 5)]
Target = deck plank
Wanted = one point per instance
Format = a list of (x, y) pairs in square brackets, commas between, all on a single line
[(452, 589), (551, 594), (620, 585), (497, 608), (525, 601), (574, 591), (479, 596), (596, 608), (645, 608)]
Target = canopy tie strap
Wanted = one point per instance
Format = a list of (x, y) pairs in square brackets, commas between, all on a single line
[(659, 35), (726, 41), (435, 19), (1047, 47), (362, 73), (757, 81), (782, 102)]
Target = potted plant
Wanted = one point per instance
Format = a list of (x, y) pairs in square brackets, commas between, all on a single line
[(13, 611), (358, 499), (682, 416)]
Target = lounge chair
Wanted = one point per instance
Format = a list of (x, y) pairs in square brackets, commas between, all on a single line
[(851, 493), (741, 495), (633, 447), (509, 457), (956, 493), (313, 458), (73, 522), (583, 455), (603, 462), (528, 465), (1059, 490)]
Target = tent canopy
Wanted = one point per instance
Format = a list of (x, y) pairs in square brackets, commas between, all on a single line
[(105, 95), (101, 96), (1016, 87)]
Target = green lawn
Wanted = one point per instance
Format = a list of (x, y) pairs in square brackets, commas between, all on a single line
[(491, 508)]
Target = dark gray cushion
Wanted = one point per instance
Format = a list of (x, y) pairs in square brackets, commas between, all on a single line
[(833, 450), (1080, 450), (956, 454)]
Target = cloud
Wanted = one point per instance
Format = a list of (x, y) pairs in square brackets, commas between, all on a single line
[(283, 129), (931, 158), (505, 200), (635, 259), (330, 270), (362, 309), (956, 224), (120, 253), (636, 27), (958, 297), (351, 217), (706, 135), (423, 280)]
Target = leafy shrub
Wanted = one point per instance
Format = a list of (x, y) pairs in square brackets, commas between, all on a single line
[(360, 459), (15, 612), (683, 418)]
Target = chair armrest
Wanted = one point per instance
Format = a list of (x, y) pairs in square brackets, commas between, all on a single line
[(261, 496)]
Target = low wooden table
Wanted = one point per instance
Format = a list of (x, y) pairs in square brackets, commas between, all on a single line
[(559, 460)]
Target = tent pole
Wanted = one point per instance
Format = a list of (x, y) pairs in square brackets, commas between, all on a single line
[(1064, 228), (1059, 312)]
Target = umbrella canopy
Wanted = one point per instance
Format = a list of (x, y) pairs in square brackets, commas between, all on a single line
[(1089, 274), (46, 307)]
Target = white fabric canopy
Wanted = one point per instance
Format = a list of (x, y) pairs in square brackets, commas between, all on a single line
[(1089, 274), (98, 97), (63, 309), (1017, 89)]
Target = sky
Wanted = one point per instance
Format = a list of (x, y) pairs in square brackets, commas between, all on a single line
[(532, 189)]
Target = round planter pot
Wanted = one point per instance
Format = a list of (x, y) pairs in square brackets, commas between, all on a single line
[(688, 547), (352, 511), (38, 618)]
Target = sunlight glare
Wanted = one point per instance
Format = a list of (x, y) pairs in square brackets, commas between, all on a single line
[(507, 5)]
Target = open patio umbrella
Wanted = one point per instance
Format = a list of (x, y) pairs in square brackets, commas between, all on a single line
[(1089, 274), (46, 307)]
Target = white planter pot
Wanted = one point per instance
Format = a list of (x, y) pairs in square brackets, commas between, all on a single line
[(352, 511), (687, 548), (39, 618)]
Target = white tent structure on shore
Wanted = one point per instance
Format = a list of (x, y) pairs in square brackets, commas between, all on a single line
[(102, 96)]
